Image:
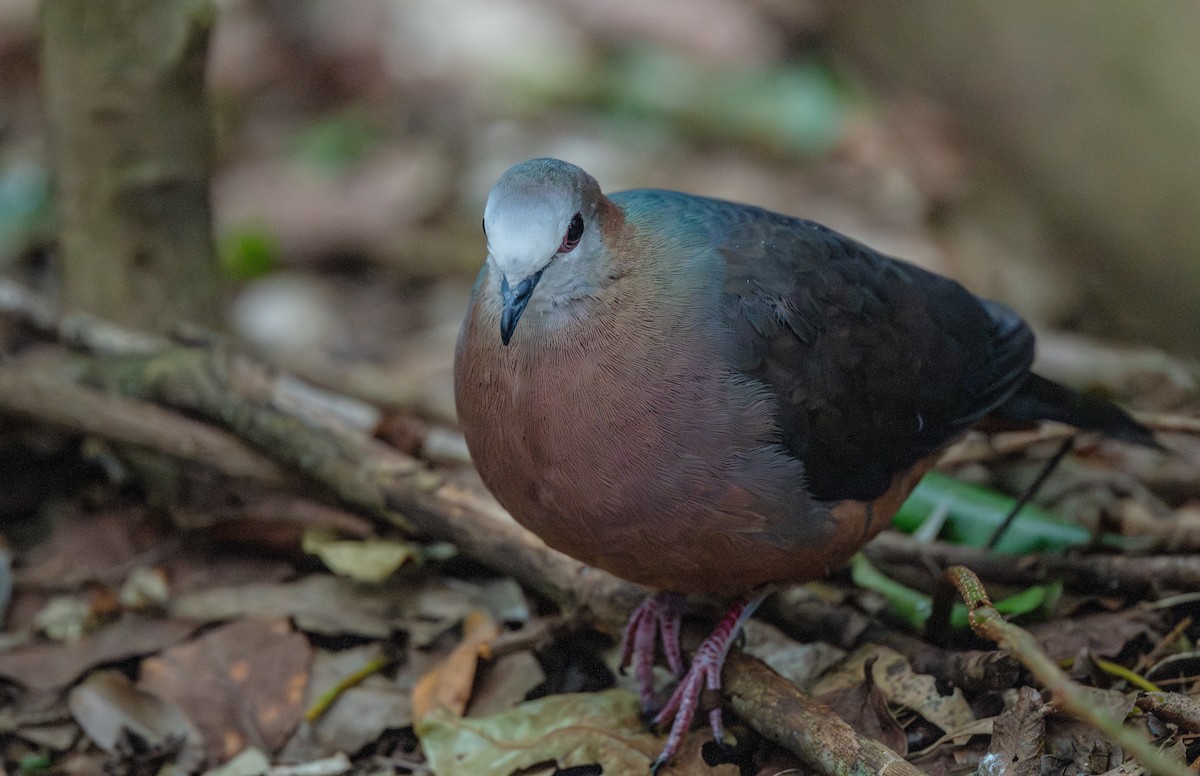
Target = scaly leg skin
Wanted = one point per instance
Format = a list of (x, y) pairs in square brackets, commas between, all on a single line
[(705, 673), (657, 618)]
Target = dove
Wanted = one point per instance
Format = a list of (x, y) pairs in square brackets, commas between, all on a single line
[(700, 396)]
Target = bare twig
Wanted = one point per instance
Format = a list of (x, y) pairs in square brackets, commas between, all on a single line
[(1124, 574), (990, 624)]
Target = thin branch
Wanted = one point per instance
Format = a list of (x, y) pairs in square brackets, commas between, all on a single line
[(1128, 575), (990, 624)]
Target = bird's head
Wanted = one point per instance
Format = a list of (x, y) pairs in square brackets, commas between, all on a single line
[(541, 217)]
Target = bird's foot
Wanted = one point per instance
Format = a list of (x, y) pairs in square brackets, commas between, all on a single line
[(656, 619), (703, 676)]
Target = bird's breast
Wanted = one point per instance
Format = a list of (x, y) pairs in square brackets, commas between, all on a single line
[(638, 450)]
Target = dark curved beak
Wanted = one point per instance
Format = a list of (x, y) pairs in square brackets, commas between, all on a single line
[(515, 300)]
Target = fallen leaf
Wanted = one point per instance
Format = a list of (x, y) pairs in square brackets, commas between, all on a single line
[(448, 685), (332, 605), (1018, 737), (1104, 634), (361, 713), (571, 730), (321, 603), (865, 709), (1072, 744), (86, 546), (797, 662), (241, 684), (44, 666), (504, 683), (114, 714), (364, 560), (1174, 707), (900, 685), (248, 762)]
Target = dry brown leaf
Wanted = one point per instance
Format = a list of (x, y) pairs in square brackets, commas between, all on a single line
[(1104, 634), (360, 713), (900, 685), (42, 666), (1018, 735), (242, 684), (89, 547), (1174, 707), (569, 730), (865, 709), (504, 682), (448, 685)]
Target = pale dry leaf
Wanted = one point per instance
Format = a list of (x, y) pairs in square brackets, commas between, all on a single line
[(115, 714), (448, 685)]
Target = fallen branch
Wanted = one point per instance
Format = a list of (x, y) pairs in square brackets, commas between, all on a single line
[(1127, 575), (803, 725), (49, 397)]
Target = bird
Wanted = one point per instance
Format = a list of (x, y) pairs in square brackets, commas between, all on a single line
[(701, 396)]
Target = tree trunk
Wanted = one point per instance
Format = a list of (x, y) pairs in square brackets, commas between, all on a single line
[(124, 83)]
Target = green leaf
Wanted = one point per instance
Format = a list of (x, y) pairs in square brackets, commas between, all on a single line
[(249, 251), (34, 763), (338, 141), (973, 514), (913, 607), (799, 109)]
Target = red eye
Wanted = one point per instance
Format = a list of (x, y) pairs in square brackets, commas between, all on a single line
[(574, 232)]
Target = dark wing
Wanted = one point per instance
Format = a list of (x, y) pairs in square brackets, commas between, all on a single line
[(876, 363)]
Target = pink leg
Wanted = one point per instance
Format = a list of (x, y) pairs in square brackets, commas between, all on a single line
[(705, 673), (656, 618)]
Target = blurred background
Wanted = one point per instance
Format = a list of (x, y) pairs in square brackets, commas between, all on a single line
[(1043, 154)]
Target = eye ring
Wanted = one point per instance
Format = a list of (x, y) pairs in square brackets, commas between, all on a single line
[(574, 233)]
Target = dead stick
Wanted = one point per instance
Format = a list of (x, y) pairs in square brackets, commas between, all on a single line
[(1128, 575), (990, 624), (51, 398), (803, 725)]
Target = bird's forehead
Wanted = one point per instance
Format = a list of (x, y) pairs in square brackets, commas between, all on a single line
[(525, 221), (530, 203), (522, 223)]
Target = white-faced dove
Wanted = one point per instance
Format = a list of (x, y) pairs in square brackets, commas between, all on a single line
[(702, 396)]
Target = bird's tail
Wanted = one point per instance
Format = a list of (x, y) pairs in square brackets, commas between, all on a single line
[(1042, 399)]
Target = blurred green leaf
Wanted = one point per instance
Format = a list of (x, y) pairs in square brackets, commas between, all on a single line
[(249, 251), (35, 763), (337, 142), (798, 109), (973, 514), (913, 607)]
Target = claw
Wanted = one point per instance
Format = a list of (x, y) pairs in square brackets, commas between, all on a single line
[(704, 674), (655, 621)]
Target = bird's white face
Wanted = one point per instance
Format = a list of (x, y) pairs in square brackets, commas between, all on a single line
[(537, 215), (526, 226)]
